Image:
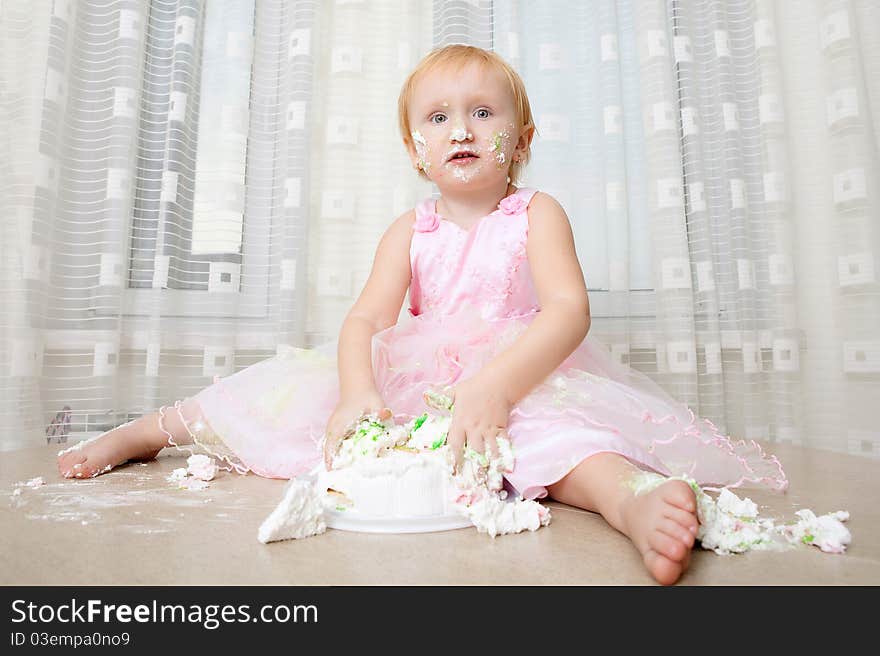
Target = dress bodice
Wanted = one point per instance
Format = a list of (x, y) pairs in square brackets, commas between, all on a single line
[(485, 266)]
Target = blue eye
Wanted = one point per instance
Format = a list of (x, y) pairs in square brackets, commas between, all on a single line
[(484, 110), (436, 116)]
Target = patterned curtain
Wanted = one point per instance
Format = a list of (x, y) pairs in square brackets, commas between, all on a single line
[(719, 163), (189, 187)]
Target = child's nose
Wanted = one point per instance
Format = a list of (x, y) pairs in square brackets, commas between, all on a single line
[(460, 133)]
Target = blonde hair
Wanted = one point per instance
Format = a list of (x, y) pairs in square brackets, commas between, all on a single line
[(459, 56)]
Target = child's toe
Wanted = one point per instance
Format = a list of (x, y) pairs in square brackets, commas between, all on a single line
[(667, 545), (664, 570), (687, 520), (680, 494), (675, 530), (82, 469), (70, 463)]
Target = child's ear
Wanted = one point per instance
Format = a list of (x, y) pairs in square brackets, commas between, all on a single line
[(525, 139)]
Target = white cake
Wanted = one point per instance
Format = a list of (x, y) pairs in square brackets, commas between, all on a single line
[(400, 484), (393, 471)]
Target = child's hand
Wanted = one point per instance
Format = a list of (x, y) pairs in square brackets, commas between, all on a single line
[(480, 414), (345, 413)]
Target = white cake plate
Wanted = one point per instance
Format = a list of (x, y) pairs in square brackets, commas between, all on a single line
[(350, 520)]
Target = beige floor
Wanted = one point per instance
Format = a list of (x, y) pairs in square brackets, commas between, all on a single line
[(129, 527)]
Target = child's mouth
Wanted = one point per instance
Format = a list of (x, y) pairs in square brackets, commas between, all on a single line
[(464, 159)]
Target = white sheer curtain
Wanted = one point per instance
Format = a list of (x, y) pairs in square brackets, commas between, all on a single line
[(719, 161), (189, 187)]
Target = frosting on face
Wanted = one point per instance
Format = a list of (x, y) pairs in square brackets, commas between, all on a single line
[(421, 150), (463, 173), (459, 134), (499, 146), (468, 107)]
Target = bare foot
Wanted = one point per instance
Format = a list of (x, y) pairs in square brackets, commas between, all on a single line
[(662, 524), (132, 441)]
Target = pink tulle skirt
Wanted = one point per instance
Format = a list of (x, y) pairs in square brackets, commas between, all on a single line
[(269, 418)]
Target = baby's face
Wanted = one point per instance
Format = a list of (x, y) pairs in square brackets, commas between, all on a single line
[(468, 112)]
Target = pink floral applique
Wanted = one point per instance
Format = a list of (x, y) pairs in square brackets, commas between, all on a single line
[(512, 205), (427, 222)]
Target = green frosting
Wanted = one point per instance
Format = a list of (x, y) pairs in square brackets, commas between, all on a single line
[(419, 422)]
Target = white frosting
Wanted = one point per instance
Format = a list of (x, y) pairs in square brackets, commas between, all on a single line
[(421, 146), (459, 134), (501, 465), (431, 434), (826, 532), (201, 467), (729, 524), (32, 483), (79, 445), (178, 474), (195, 476), (493, 515), (181, 479), (498, 143), (107, 468), (299, 515), (369, 439)]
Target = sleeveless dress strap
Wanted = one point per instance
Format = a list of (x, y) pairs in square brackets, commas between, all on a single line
[(526, 193), (423, 207)]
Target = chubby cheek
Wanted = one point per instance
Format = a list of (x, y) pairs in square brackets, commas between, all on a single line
[(423, 151), (499, 146)]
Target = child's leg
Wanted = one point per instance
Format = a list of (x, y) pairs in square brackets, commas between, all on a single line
[(661, 523), (140, 439)]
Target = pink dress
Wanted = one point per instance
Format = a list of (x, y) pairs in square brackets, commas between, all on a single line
[(471, 297)]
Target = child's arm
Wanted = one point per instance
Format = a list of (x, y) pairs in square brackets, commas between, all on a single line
[(564, 319), (483, 402), (377, 308)]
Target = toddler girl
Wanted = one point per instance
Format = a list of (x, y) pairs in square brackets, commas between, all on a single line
[(498, 317)]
